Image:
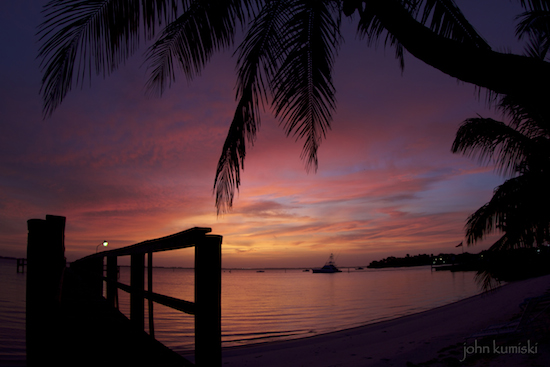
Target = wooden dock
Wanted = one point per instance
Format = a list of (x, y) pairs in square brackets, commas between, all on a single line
[(70, 323), (92, 333)]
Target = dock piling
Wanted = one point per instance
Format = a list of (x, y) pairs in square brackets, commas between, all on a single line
[(21, 265), (45, 268), (208, 301)]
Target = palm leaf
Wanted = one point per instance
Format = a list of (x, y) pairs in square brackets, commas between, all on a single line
[(446, 20), (519, 209), (204, 27), (480, 223), (518, 206), (371, 29), (258, 59), (499, 214), (535, 25), (84, 37), (304, 96), (528, 118), (442, 16), (535, 4), (492, 142), (486, 280)]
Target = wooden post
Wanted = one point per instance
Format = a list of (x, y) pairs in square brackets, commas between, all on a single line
[(112, 275), (45, 268), (95, 271), (21, 265), (150, 290), (208, 301), (137, 309), (91, 272)]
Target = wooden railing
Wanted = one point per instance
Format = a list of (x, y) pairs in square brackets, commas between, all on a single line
[(207, 304)]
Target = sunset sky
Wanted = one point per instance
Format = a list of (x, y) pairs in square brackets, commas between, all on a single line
[(126, 168)]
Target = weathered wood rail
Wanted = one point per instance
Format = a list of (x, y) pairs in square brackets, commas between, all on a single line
[(46, 245), (207, 304)]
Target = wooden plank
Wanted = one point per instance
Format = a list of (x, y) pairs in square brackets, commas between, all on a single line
[(175, 303), (184, 239)]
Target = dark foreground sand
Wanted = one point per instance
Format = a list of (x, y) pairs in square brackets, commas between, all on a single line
[(432, 338)]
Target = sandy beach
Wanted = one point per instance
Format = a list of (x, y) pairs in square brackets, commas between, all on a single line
[(437, 337)]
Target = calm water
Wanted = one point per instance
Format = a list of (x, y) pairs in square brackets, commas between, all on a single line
[(273, 305), (12, 315)]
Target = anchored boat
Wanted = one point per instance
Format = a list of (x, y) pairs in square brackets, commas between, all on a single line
[(330, 267)]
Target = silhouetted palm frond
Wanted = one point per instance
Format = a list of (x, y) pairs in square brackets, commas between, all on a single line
[(286, 60), (441, 16), (527, 118), (486, 280), (84, 37), (304, 96), (497, 214), (535, 4), (518, 207), (535, 25), (484, 221), (492, 142), (371, 29), (259, 56), (190, 40), (446, 19)]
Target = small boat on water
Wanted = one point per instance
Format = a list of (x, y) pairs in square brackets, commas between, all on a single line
[(330, 267)]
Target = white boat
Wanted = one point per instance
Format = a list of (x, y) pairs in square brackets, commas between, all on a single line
[(330, 267)]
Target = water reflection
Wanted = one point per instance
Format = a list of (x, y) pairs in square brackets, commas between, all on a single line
[(12, 314), (276, 305)]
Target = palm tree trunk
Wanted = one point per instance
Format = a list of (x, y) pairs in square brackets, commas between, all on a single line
[(521, 76)]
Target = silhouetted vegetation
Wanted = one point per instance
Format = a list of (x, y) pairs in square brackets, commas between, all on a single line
[(466, 260), (493, 266), (520, 149), (510, 265), (286, 57), (398, 262)]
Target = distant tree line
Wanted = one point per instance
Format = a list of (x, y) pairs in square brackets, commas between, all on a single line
[(398, 262), (492, 266), (425, 259)]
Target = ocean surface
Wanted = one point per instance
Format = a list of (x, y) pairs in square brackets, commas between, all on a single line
[(265, 306), (12, 314)]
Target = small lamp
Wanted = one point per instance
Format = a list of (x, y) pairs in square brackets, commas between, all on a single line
[(104, 243)]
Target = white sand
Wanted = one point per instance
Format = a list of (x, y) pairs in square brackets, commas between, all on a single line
[(415, 338)]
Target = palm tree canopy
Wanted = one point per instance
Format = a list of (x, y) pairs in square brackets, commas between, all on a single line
[(535, 25), (285, 58), (521, 149)]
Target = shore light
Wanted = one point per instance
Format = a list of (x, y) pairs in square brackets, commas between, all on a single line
[(104, 243)]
